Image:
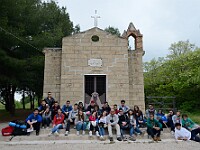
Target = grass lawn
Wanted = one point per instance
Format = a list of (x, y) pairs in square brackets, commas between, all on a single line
[(20, 114), (195, 117)]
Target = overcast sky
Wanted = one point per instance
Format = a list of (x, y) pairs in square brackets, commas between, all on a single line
[(162, 22)]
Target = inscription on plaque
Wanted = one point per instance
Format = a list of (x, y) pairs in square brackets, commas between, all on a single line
[(95, 62)]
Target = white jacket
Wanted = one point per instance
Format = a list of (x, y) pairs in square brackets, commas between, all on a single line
[(182, 133)]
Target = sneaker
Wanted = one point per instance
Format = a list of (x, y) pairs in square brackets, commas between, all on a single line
[(125, 139), (83, 133), (119, 139), (56, 133), (90, 133), (77, 133), (111, 139), (172, 132), (30, 130), (131, 138), (104, 138), (42, 127), (97, 133), (66, 133), (101, 138), (47, 128)]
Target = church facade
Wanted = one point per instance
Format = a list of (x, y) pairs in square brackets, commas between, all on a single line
[(96, 65)]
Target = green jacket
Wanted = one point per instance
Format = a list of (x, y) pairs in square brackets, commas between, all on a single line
[(188, 123), (154, 122)]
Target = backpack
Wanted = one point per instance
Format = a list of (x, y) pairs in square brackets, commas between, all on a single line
[(19, 128), (7, 131), (19, 131)]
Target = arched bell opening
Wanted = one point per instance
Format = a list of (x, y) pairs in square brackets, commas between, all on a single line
[(131, 43)]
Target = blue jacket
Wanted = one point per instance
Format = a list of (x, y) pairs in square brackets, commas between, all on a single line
[(31, 118), (66, 109)]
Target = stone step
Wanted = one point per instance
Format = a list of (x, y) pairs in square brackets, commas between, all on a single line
[(72, 136), (73, 131), (41, 142), (80, 138)]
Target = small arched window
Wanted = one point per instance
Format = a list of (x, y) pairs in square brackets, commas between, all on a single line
[(131, 43)]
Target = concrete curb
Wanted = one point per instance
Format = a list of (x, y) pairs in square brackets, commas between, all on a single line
[(80, 142)]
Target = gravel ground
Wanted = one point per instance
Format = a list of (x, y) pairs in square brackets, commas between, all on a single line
[(97, 146), (140, 144)]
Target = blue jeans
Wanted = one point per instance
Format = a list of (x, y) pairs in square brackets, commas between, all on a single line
[(133, 130), (57, 127), (122, 128), (81, 126), (101, 131), (46, 121)]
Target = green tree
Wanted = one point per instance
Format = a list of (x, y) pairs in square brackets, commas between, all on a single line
[(26, 27), (180, 48), (113, 30), (176, 75)]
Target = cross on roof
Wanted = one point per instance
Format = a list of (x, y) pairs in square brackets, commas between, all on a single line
[(95, 18)]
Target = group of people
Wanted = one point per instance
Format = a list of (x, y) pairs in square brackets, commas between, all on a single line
[(92, 118), (182, 127), (96, 120)]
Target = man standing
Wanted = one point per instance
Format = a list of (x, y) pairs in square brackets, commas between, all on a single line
[(33, 121), (112, 121), (49, 100)]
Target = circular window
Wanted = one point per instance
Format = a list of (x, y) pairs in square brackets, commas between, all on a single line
[(95, 38)]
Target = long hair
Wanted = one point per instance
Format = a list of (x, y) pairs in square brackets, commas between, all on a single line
[(129, 115), (137, 111), (80, 116), (102, 114)]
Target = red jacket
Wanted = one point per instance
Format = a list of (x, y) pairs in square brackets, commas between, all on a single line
[(91, 118), (116, 111), (58, 119)]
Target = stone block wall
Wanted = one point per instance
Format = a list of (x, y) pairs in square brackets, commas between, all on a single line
[(76, 52), (52, 72), (66, 68), (136, 81)]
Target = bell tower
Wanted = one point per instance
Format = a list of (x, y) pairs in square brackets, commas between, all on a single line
[(136, 78)]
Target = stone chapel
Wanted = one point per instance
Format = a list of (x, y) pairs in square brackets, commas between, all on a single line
[(95, 62)]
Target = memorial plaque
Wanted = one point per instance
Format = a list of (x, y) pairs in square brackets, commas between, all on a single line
[(95, 62)]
